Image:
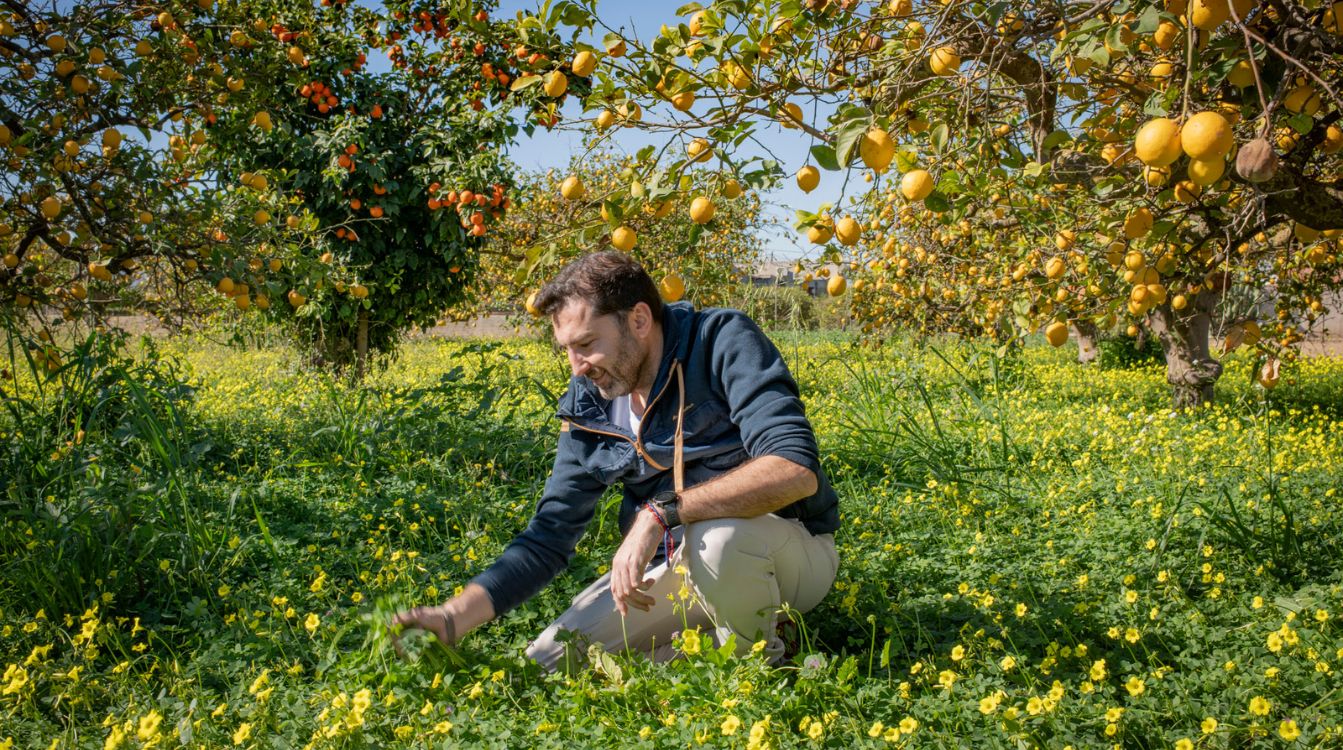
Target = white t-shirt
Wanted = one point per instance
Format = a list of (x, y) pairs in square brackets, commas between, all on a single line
[(622, 414)]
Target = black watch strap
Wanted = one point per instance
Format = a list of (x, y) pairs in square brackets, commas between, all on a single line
[(668, 503)]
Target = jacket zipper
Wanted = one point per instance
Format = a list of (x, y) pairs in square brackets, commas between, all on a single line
[(636, 442)]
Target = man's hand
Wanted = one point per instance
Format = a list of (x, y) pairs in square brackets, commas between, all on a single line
[(630, 561), (448, 621), (437, 620)]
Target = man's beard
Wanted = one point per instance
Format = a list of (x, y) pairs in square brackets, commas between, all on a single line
[(623, 374)]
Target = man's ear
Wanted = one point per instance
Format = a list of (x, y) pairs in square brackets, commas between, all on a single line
[(641, 319)]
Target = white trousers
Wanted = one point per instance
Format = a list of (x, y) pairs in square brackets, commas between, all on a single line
[(739, 573)]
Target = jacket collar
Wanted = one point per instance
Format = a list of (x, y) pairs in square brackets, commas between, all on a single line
[(582, 400)]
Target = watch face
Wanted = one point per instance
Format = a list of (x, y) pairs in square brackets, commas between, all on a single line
[(666, 497)]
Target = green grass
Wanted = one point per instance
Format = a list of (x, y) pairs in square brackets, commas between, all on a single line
[(1033, 554)]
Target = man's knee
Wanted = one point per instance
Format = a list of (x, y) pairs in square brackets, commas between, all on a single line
[(723, 554)]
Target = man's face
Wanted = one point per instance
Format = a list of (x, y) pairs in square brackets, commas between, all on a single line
[(602, 348)]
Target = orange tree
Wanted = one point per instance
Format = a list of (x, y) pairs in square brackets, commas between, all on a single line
[(1108, 164), (559, 216), (150, 147)]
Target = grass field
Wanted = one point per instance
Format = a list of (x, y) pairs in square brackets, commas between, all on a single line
[(200, 544)]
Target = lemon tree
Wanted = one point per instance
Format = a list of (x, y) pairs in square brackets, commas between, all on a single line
[(561, 214), (1112, 166)]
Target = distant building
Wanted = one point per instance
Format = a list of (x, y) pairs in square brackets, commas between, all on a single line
[(773, 273)]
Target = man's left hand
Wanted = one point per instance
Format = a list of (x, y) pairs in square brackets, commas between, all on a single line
[(630, 562)]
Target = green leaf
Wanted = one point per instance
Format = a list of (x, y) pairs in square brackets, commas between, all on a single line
[(825, 157), (1056, 138), (939, 135), (847, 139), (906, 158), (937, 202), (1033, 169), (1301, 122), (522, 82), (1149, 20)]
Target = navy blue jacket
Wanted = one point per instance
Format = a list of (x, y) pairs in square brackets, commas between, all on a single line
[(741, 403)]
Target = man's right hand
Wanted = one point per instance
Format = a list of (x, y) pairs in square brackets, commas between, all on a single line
[(448, 621), (437, 620)]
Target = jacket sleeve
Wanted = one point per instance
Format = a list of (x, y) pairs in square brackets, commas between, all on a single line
[(762, 397), (544, 548)]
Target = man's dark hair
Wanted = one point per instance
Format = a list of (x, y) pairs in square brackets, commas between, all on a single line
[(612, 282)]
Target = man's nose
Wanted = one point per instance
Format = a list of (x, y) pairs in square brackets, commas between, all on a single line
[(577, 364)]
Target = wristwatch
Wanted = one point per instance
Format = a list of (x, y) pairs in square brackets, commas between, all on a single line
[(668, 503)]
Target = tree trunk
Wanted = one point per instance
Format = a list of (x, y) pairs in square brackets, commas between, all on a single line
[(361, 346), (1190, 367), (1086, 334)]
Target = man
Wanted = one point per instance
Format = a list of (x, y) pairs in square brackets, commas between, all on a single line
[(696, 414)]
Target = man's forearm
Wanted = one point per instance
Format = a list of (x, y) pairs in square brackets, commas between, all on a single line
[(470, 609), (759, 486)]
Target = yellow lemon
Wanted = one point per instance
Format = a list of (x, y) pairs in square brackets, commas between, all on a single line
[(1158, 142), (847, 231), (1056, 333), (1241, 75), (1138, 223), (1206, 172), (623, 238), (1206, 135), (808, 178), (916, 185), (701, 210), (584, 63), (876, 149), (671, 288), (836, 285), (944, 61), (572, 188), (699, 150), (1207, 15), (555, 84)]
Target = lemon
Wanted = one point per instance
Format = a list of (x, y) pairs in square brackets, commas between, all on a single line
[(701, 210), (584, 63), (876, 149), (836, 285), (1166, 35), (1207, 15), (847, 231), (1206, 172), (555, 84), (1302, 99), (1158, 142), (699, 150), (50, 207), (819, 234), (530, 305), (623, 238), (1138, 223), (732, 189), (683, 101), (1207, 135), (671, 288), (808, 178), (1241, 75), (944, 61), (916, 185), (572, 188), (791, 115), (1056, 333)]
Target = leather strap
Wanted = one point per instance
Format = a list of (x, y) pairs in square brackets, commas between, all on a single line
[(678, 458)]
